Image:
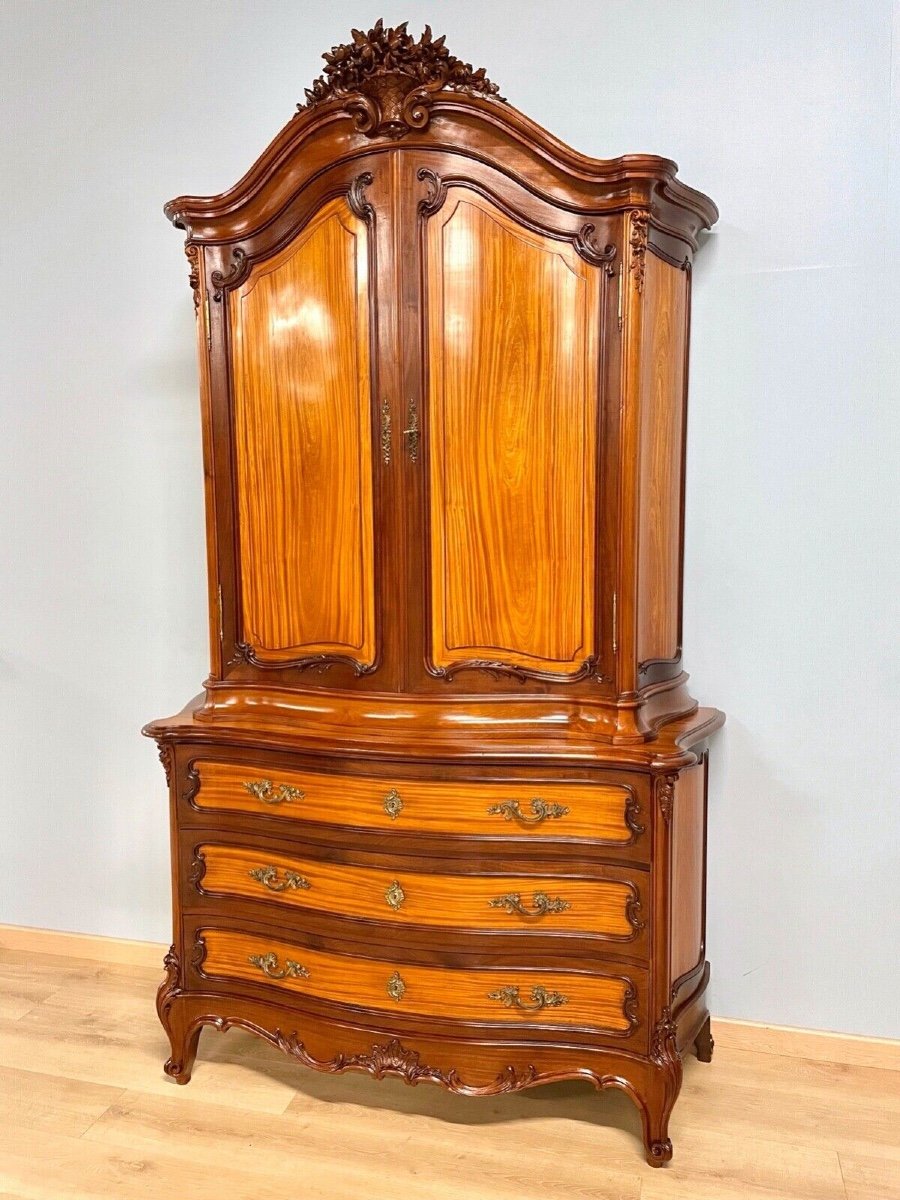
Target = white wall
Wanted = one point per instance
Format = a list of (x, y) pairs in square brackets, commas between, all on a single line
[(782, 111)]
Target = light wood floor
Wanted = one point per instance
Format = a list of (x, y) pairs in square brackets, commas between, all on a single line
[(85, 1111)]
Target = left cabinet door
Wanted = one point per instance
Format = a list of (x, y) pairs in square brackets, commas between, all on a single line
[(304, 435)]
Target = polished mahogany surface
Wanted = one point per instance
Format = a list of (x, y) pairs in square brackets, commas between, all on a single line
[(513, 323), (300, 346), (440, 811)]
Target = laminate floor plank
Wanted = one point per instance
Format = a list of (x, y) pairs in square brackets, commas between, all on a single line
[(866, 1177), (349, 1148), (832, 1106), (33, 1100), (87, 1114)]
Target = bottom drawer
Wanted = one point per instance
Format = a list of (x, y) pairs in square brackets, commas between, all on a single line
[(606, 1003)]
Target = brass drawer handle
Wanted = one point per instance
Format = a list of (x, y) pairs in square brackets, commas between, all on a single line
[(509, 996), (396, 987), (395, 895), (541, 810), (393, 805), (265, 790), (512, 903), (268, 877), (268, 964)]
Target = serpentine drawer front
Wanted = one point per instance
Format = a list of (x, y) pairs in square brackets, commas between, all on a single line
[(606, 813), (509, 996), (610, 908)]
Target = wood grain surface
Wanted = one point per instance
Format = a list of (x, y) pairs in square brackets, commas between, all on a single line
[(410, 898), (662, 404), (591, 1001), (300, 331), (512, 345), (595, 811)]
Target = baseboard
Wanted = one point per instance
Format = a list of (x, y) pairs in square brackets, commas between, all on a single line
[(852, 1049), (820, 1045), (22, 939)]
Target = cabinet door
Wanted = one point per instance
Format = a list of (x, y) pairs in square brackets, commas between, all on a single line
[(512, 343), (303, 451)]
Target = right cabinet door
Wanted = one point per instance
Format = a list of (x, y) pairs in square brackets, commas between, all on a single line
[(511, 329)]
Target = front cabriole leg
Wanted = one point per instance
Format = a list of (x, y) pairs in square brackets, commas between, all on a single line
[(172, 1013), (663, 1086)]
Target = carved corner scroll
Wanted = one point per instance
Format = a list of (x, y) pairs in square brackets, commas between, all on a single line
[(356, 196), (387, 79), (586, 245), (437, 193), (234, 276)]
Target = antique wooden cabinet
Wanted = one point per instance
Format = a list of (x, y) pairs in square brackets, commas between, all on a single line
[(440, 811)]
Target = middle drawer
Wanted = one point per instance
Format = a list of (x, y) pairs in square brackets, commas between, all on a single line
[(609, 904)]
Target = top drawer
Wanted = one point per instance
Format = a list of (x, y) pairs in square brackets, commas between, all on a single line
[(599, 812)]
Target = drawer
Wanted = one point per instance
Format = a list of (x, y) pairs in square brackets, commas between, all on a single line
[(600, 812), (610, 907), (506, 997)]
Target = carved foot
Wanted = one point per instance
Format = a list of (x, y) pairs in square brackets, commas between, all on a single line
[(704, 1043), (659, 1152), (180, 1065)]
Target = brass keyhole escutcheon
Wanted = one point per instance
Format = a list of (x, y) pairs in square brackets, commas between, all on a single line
[(393, 805), (396, 988), (395, 895)]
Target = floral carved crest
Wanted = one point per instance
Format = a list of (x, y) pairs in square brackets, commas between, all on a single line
[(388, 79)]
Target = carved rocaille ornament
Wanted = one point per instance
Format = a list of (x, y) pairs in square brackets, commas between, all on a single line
[(387, 79), (393, 1058)]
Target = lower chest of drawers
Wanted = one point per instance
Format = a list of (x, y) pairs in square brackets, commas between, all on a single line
[(464, 902)]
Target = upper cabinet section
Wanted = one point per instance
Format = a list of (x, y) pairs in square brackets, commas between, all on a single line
[(443, 363), (299, 327), (513, 335)]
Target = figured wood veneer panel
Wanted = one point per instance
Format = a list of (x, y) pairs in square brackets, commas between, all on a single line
[(459, 901), (596, 1001), (662, 403), (513, 342), (595, 811), (688, 869), (303, 445)]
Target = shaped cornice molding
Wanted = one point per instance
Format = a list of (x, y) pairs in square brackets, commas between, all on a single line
[(387, 79)]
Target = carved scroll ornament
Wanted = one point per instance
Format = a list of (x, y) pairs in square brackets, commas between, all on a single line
[(388, 79)]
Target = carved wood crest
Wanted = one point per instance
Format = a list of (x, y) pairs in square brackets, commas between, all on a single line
[(388, 79)]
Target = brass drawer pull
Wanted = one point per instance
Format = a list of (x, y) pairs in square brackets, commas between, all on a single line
[(509, 996), (396, 987), (268, 964), (395, 895), (268, 877), (540, 811), (393, 805), (512, 903), (265, 790)]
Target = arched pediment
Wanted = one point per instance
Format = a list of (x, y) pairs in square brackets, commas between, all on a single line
[(385, 89)]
